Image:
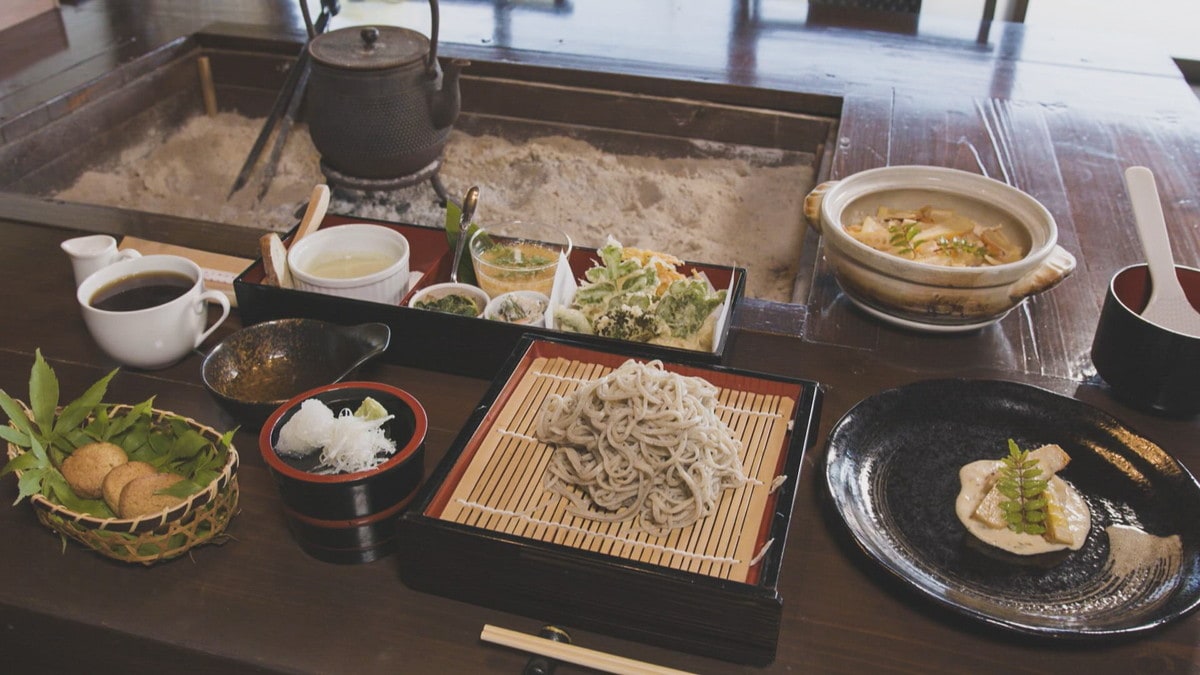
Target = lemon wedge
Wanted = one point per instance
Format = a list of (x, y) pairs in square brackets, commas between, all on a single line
[(371, 410)]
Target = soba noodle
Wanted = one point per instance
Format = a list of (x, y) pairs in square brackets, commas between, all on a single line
[(641, 443)]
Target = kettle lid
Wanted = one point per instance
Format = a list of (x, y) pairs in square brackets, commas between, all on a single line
[(369, 47)]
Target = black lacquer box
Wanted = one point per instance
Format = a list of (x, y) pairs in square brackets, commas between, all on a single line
[(446, 342), (484, 530)]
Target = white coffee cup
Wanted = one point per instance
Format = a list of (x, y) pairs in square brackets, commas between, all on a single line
[(155, 336), (93, 252)]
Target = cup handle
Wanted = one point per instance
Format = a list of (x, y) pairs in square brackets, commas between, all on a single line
[(1056, 267), (222, 300), (128, 254)]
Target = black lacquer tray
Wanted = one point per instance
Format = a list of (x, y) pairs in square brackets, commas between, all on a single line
[(446, 342), (483, 529)]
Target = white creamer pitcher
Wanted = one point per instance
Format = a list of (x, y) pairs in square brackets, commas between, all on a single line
[(93, 252)]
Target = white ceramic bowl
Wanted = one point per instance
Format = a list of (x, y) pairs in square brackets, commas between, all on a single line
[(360, 260), (926, 296), (438, 291), (528, 300)]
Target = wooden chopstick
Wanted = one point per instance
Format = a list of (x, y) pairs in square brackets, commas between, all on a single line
[(570, 653)]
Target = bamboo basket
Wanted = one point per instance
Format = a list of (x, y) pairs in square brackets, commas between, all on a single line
[(199, 519)]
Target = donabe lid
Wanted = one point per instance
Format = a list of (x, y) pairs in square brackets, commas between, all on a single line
[(369, 47)]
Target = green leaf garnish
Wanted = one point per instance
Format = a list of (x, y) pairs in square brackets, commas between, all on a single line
[(1021, 483), (43, 393), (167, 442), (904, 236), (953, 245)]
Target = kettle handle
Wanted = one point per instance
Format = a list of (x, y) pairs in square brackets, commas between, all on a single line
[(431, 67)]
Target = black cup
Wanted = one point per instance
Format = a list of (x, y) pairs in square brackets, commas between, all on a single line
[(1148, 367)]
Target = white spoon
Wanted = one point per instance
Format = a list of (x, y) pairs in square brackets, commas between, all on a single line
[(1168, 306)]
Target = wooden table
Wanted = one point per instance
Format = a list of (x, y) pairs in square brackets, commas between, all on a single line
[(1058, 116)]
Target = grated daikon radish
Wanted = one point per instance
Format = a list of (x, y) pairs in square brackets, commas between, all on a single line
[(349, 442), (356, 444), (307, 431)]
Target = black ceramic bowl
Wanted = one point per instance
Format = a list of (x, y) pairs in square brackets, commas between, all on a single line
[(349, 517), (255, 370), (1147, 366)]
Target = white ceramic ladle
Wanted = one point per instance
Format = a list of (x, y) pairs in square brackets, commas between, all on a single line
[(1168, 306)]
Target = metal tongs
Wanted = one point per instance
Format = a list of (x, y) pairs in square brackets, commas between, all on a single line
[(287, 103)]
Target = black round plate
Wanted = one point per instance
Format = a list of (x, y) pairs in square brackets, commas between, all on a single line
[(892, 471)]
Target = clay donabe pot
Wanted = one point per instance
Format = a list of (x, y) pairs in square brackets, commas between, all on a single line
[(378, 104), (932, 297), (351, 517)]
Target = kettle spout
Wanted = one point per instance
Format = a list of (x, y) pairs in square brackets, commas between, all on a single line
[(445, 101)]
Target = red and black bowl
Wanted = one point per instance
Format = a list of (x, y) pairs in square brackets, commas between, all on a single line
[(349, 517)]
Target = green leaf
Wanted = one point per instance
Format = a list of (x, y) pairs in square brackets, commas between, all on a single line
[(11, 435), (133, 416), (55, 487), (188, 444), (203, 477), (148, 550), (22, 462), (75, 438), (75, 412), (182, 489), (16, 414), (43, 393), (39, 451), (29, 484)]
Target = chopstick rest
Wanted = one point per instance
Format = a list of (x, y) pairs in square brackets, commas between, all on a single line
[(542, 665)]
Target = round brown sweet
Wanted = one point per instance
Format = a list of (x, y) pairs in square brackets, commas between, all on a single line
[(119, 477), (86, 468), (139, 497)]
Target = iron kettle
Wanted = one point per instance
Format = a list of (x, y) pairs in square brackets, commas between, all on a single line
[(378, 103)]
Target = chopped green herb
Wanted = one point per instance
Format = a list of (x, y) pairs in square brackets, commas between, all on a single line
[(452, 303)]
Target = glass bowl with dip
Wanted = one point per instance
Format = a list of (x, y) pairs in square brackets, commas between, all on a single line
[(358, 260), (504, 264)]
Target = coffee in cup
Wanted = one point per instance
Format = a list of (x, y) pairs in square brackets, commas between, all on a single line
[(149, 312)]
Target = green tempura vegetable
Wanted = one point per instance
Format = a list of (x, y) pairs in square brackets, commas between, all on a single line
[(620, 299)]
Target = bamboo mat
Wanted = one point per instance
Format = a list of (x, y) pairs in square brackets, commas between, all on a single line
[(501, 489)]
